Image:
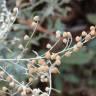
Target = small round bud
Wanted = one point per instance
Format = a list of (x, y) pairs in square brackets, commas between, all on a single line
[(23, 93), (47, 89), (88, 37), (5, 89), (79, 44), (24, 88), (12, 84), (67, 54), (2, 73), (36, 18), (53, 56), (57, 62), (58, 34), (47, 55), (20, 89), (69, 34), (76, 49), (58, 57), (93, 33), (34, 24), (30, 80), (43, 68), (48, 46), (84, 33), (28, 90), (33, 61), (32, 70), (20, 46), (77, 39), (65, 34), (9, 78), (12, 18), (15, 9), (55, 70), (26, 37), (65, 41), (46, 80), (42, 62), (42, 76), (92, 28)]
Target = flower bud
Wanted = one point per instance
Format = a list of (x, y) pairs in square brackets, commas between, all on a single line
[(77, 39), (48, 46), (67, 54), (5, 89), (55, 70), (36, 18), (88, 37), (92, 28), (12, 84), (47, 55), (79, 44), (20, 89), (26, 37), (20, 46), (58, 34), (84, 33), (9, 78), (23, 93), (57, 62)]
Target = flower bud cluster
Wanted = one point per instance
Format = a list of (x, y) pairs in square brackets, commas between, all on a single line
[(67, 40), (40, 67)]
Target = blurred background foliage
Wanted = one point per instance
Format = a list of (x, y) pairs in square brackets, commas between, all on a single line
[(78, 72)]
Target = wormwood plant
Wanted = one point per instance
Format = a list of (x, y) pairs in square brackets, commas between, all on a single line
[(40, 67)]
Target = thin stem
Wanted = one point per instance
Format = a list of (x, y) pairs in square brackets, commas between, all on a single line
[(9, 75), (29, 40), (64, 48), (54, 45)]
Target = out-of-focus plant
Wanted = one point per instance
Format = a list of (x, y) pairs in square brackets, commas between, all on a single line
[(14, 69)]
